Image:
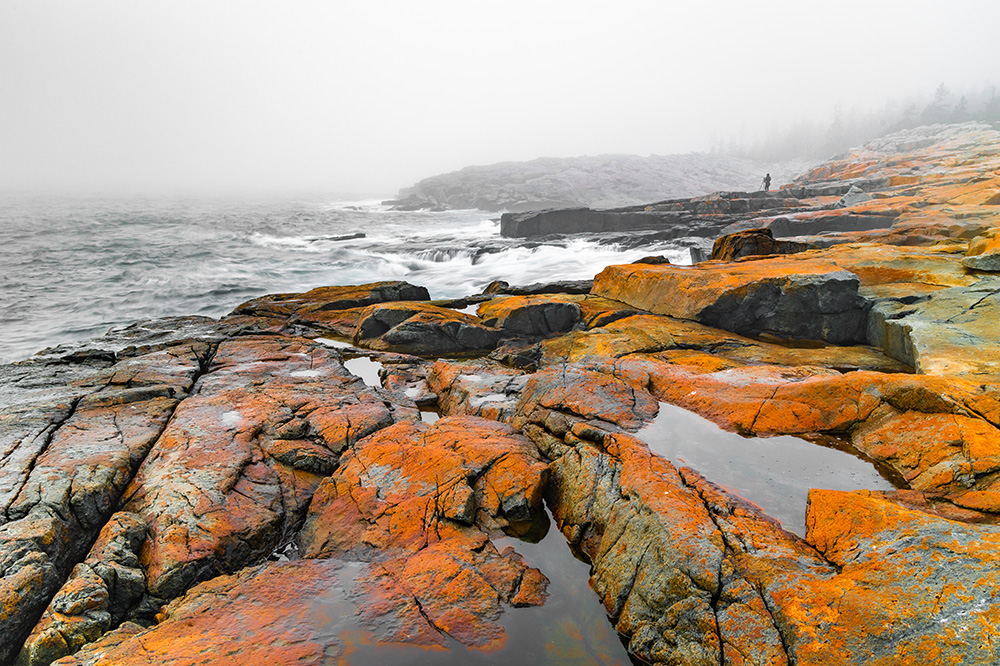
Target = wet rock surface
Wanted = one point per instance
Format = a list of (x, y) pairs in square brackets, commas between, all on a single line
[(231, 476), (191, 491)]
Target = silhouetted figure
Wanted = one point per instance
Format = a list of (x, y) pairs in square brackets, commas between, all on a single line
[(767, 182)]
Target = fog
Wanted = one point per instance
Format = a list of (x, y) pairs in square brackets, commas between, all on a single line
[(360, 99)]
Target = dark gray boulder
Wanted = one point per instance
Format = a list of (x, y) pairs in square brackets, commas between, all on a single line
[(558, 287), (422, 329), (582, 220)]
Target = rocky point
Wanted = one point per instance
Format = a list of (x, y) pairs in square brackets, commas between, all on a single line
[(194, 491)]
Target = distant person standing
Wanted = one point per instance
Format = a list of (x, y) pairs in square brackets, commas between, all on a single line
[(767, 182)]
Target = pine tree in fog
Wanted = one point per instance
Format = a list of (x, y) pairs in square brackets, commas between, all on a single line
[(811, 139)]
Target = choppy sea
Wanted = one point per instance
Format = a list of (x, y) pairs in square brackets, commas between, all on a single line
[(74, 268)]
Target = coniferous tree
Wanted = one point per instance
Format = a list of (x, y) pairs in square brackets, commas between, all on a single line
[(991, 111), (812, 140), (937, 111), (960, 113)]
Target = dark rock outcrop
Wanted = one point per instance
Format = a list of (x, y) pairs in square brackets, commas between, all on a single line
[(717, 214), (559, 287), (654, 260), (587, 220), (816, 301), (525, 316), (752, 242), (815, 222), (422, 329)]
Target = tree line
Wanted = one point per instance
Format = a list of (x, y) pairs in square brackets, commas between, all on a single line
[(811, 139)]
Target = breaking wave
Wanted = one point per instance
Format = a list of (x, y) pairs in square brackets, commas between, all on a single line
[(72, 269)]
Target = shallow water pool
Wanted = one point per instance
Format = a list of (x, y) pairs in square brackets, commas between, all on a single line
[(775, 473)]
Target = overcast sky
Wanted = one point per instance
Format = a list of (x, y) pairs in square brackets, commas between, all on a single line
[(362, 98)]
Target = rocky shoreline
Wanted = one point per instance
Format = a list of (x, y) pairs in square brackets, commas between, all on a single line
[(598, 180), (198, 491)]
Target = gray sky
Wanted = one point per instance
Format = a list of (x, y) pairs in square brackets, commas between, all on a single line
[(366, 97)]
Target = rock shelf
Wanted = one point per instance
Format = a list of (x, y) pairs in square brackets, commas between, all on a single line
[(192, 491)]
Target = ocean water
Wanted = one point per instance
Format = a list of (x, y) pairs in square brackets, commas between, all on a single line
[(74, 268)]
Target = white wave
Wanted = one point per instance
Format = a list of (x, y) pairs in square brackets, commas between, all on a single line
[(150, 261), (266, 240), (311, 243), (462, 274)]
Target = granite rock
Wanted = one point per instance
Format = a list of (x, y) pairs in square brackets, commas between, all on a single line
[(752, 242), (770, 296)]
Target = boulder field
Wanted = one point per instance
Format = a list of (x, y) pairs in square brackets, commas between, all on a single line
[(197, 491)]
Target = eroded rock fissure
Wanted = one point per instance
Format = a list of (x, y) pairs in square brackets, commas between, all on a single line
[(50, 434), (729, 551), (81, 530)]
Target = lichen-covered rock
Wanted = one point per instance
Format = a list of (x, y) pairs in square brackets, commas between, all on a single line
[(69, 475), (395, 550), (912, 588), (938, 435), (660, 563), (585, 394), (314, 611), (790, 299), (331, 308), (926, 309), (413, 484), (948, 332), (236, 467), (257, 448), (984, 252), (892, 271), (99, 592), (753, 242), (477, 388), (696, 576), (325, 299), (651, 334)]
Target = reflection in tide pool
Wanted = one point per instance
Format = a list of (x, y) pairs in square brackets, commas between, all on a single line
[(571, 629), (366, 369), (775, 473), (337, 344)]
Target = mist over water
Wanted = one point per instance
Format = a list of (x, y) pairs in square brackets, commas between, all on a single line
[(72, 269)]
